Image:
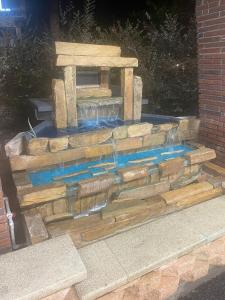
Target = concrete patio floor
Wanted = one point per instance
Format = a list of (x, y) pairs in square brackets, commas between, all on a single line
[(121, 259)]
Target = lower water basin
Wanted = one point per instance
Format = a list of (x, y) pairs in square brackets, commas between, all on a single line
[(79, 171)]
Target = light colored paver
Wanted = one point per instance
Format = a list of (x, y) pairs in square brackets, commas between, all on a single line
[(208, 218), (103, 269), (145, 248), (140, 250), (40, 270)]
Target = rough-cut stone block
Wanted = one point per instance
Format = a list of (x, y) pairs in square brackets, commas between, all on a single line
[(133, 173), (184, 124), (58, 144), (23, 162), (139, 129), (172, 166), (90, 138), (120, 132), (166, 127), (95, 185), (36, 228), (133, 184), (37, 146), (15, 145), (128, 144), (116, 209), (42, 194), (40, 270), (146, 191), (200, 155), (58, 217), (98, 150), (60, 206), (174, 196), (138, 86), (204, 196), (156, 139)]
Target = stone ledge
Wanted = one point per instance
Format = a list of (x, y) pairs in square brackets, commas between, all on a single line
[(40, 270)]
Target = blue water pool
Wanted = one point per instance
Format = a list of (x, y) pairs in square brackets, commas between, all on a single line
[(78, 171)]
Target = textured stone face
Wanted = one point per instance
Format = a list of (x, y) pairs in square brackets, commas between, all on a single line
[(43, 194), (98, 150), (15, 146), (37, 146), (120, 132), (200, 155), (58, 144), (146, 191), (138, 86), (156, 139), (128, 144), (174, 196), (133, 173), (139, 129), (91, 138), (172, 166)]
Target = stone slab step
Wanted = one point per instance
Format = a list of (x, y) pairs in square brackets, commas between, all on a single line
[(40, 270), (142, 249), (172, 197), (198, 198), (215, 168)]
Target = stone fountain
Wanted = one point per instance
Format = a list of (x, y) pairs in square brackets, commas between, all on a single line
[(99, 158)]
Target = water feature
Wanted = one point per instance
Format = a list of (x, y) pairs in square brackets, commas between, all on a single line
[(74, 173)]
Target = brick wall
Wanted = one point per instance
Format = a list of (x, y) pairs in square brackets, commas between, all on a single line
[(5, 241), (211, 65)]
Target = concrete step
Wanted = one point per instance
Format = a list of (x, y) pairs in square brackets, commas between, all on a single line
[(40, 270), (126, 256)]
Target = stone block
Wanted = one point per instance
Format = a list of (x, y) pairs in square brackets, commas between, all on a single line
[(15, 145), (201, 197), (139, 129), (146, 191), (155, 139), (58, 217), (120, 132), (128, 144), (95, 185), (24, 275), (37, 146), (98, 150), (133, 184), (23, 162), (175, 196), (45, 210), (172, 166), (184, 124), (58, 144), (36, 228), (138, 87), (127, 207), (105, 227), (155, 177), (200, 155), (133, 173), (60, 206), (90, 138), (42, 194), (166, 127)]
